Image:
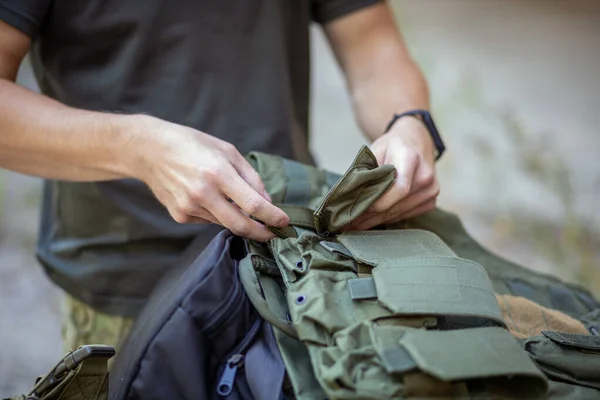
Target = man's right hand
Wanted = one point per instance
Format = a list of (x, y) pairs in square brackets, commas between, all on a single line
[(197, 177), (200, 178)]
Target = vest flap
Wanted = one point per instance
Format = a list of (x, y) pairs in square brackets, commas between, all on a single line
[(439, 286), (477, 353)]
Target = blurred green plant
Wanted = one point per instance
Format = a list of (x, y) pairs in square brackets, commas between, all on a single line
[(573, 246)]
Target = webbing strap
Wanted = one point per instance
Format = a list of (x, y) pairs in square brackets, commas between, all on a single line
[(299, 216), (562, 299), (396, 360), (298, 184), (521, 288), (589, 302), (362, 288), (335, 248), (266, 296), (574, 340)]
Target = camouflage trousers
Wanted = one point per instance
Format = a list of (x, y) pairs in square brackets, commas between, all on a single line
[(84, 325)]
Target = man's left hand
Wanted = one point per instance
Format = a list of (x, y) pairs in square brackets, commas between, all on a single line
[(408, 147)]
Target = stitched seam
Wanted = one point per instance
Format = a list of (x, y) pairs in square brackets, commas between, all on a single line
[(354, 204)]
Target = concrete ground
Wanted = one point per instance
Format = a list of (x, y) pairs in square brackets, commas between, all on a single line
[(482, 59)]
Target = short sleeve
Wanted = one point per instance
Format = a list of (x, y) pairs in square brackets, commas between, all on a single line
[(324, 11), (25, 15)]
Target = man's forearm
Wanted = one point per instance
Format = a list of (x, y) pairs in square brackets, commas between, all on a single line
[(395, 85), (381, 75), (42, 137)]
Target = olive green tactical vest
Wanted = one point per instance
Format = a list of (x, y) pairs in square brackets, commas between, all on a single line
[(404, 311)]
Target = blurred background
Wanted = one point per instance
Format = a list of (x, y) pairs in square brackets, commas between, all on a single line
[(516, 94)]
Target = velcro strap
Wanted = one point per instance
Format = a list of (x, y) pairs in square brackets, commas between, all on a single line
[(417, 274), (573, 340), (440, 286), (336, 248), (362, 288), (298, 184), (467, 354), (373, 247), (299, 216)]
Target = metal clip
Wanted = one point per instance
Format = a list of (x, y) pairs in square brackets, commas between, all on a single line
[(70, 362)]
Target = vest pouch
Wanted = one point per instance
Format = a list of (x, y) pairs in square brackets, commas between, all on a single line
[(382, 362), (566, 357), (488, 361), (414, 273)]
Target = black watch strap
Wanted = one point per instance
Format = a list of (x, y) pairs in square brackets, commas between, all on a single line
[(426, 118)]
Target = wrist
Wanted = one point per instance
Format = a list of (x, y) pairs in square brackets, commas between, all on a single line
[(131, 135), (425, 117), (414, 131)]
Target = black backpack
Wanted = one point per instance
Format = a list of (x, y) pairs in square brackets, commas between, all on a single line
[(197, 334)]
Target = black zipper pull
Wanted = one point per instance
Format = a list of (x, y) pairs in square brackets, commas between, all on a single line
[(225, 386)]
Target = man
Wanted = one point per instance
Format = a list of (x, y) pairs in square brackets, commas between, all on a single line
[(147, 109)]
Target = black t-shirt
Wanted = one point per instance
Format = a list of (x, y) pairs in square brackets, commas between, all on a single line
[(236, 69)]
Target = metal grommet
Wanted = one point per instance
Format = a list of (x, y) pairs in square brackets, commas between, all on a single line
[(300, 265), (300, 299)]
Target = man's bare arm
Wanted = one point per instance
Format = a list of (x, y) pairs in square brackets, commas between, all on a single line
[(193, 174), (384, 80), (382, 77), (42, 137)]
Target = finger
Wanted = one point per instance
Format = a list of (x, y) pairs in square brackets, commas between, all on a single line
[(423, 178), (366, 220), (246, 198), (249, 174), (405, 171), (371, 222), (231, 217), (412, 201), (421, 209), (378, 219), (193, 215), (202, 214)]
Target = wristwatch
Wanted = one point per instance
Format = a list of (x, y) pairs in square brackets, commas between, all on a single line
[(425, 117)]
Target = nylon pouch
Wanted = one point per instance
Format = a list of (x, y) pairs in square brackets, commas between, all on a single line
[(415, 273), (383, 362), (567, 357)]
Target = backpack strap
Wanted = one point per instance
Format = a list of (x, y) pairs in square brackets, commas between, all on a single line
[(265, 294)]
